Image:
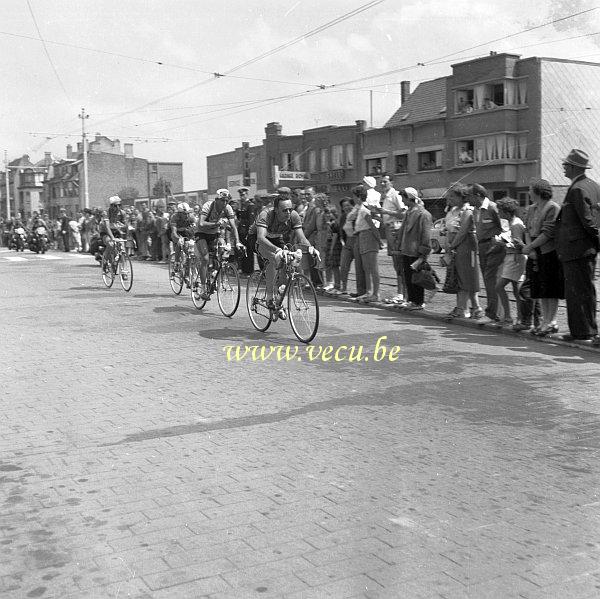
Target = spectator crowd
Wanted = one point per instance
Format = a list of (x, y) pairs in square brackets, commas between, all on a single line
[(540, 256)]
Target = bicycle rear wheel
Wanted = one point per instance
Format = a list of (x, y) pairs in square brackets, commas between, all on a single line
[(108, 274), (256, 301), (303, 308), (125, 271), (196, 292), (228, 289), (175, 275)]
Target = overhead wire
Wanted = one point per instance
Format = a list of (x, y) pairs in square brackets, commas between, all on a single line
[(41, 39)]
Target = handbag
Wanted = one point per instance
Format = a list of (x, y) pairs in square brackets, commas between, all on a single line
[(425, 277), (451, 281)]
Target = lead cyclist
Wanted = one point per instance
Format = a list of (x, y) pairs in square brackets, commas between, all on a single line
[(272, 225)]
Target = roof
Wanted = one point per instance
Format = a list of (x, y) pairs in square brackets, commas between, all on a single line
[(426, 103), (23, 161)]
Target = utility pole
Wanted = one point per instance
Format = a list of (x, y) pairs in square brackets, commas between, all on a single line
[(86, 196), (371, 105), (7, 184)]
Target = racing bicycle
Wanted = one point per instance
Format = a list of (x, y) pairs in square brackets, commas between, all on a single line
[(302, 302), (222, 276), (118, 264), (183, 271)]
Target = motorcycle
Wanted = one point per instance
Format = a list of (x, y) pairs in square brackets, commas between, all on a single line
[(38, 242), (18, 240)]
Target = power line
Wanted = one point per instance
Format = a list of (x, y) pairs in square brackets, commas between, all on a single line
[(41, 39), (439, 58), (300, 38)]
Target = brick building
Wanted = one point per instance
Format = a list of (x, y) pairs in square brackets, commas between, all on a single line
[(110, 170), (328, 158), (499, 120)]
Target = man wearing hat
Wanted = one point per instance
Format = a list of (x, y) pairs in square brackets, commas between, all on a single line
[(245, 218), (577, 244)]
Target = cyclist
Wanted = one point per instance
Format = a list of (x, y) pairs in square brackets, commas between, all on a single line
[(182, 227), (215, 216), (272, 225), (112, 226)]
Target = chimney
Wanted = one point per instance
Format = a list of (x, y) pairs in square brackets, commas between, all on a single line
[(273, 129), (404, 91), (128, 150), (47, 158), (69, 151), (361, 126)]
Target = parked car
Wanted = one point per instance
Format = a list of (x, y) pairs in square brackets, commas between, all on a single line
[(438, 235)]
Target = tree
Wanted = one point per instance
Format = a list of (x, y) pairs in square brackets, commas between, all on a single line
[(129, 193), (161, 188)]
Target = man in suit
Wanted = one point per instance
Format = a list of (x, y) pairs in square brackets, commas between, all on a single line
[(577, 246), (64, 229), (487, 226)]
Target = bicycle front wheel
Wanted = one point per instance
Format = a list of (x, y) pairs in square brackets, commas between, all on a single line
[(228, 289), (108, 274), (175, 275), (256, 301), (196, 292), (303, 308), (125, 272)]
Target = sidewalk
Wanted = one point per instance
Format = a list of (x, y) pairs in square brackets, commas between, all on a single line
[(442, 303)]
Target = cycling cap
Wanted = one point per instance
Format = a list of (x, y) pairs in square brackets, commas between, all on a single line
[(183, 207), (114, 200)]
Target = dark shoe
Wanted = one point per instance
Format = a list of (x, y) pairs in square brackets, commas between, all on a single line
[(596, 341), (547, 330), (572, 338), (521, 327), (354, 294)]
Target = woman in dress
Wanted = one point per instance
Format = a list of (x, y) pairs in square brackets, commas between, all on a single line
[(513, 266), (346, 227), (368, 246), (462, 244), (547, 282), (333, 255)]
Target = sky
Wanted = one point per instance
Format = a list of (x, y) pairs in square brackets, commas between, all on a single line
[(104, 55)]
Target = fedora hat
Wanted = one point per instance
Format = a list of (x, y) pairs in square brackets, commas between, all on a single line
[(578, 158)]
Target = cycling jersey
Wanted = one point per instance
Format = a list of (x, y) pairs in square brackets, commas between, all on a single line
[(213, 214), (183, 223), (275, 229)]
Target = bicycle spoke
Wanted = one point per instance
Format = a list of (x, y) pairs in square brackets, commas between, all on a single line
[(303, 309)]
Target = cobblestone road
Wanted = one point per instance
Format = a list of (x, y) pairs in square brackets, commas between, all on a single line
[(135, 461)]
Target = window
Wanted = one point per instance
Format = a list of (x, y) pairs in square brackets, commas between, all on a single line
[(155, 168), (504, 146), (465, 151), (401, 166), (337, 156), (287, 161), (350, 155), (324, 159), (375, 166), (429, 161), (523, 197), (499, 194), (296, 161), (464, 101), (312, 161), (488, 96)]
